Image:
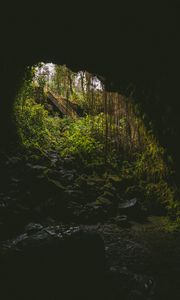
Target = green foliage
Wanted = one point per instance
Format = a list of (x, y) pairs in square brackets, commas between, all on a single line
[(147, 174), (116, 140), (36, 128), (80, 139)]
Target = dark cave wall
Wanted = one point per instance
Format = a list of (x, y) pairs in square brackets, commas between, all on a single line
[(136, 44)]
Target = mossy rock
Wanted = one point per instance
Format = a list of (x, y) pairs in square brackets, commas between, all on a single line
[(108, 195), (102, 201), (114, 178), (109, 187)]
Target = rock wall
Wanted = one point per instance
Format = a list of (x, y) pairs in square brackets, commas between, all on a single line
[(133, 44)]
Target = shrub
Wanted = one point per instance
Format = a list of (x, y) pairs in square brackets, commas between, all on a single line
[(36, 128), (117, 142)]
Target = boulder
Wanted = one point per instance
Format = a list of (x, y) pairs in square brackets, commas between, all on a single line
[(127, 204), (131, 208)]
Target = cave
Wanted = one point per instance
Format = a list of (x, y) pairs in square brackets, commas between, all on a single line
[(134, 49)]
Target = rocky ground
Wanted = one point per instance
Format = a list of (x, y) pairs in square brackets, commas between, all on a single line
[(51, 200)]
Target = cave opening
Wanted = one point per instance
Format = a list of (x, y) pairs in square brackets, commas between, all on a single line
[(87, 194), (80, 195), (91, 146)]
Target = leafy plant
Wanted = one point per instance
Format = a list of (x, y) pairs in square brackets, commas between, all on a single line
[(111, 135)]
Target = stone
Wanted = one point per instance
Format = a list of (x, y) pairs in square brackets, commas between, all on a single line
[(108, 195), (33, 227), (55, 262), (131, 208), (103, 201), (36, 167), (121, 220), (127, 203)]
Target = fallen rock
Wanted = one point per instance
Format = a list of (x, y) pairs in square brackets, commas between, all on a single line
[(121, 220), (131, 208), (127, 203), (33, 227), (103, 201)]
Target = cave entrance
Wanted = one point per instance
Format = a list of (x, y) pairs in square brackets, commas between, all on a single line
[(95, 146), (53, 95)]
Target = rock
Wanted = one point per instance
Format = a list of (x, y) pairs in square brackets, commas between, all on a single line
[(54, 157), (36, 167), (68, 162), (4, 204), (82, 180), (121, 220), (103, 201), (127, 203), (33, 227), (67, 176), (15, 180), (109, 187), (108, 195), (53, 263), (131, 208)]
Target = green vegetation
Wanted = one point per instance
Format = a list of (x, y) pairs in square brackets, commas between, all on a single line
[(109, 134)]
